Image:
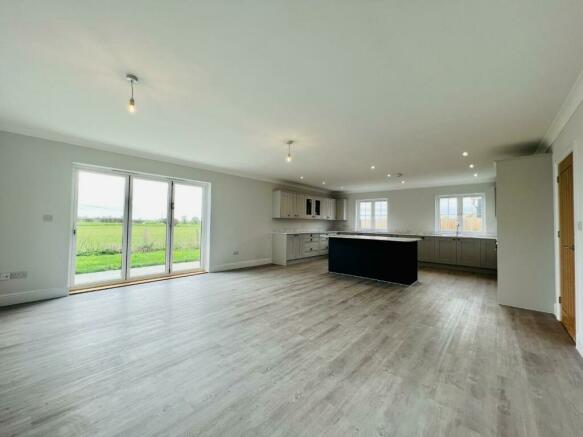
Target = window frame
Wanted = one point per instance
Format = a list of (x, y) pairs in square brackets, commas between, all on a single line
[(372, 216), (460, 213)]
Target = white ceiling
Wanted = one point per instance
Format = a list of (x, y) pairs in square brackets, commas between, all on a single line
[(404, 85)]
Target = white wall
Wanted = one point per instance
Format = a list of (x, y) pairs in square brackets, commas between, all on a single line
[(413, 210), (525, 233), (571, 140), (36, 179)]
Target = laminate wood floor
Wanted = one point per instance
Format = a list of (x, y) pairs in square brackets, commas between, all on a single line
[(288, 351)]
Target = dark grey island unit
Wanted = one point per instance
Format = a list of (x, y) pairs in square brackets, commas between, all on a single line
[(391, 259)]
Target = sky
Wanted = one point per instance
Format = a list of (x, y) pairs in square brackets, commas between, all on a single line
[(102, 195)]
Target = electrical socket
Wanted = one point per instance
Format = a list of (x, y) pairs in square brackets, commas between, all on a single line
[(18, 275), (235, 252), (4, 276)]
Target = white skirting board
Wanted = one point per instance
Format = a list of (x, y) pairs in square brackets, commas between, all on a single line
[(32, 296), (240, 265)]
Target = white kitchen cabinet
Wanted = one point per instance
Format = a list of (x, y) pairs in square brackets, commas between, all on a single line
[(328, 209), (299, 205), (283, 204), (294, 205), (290, 247), (294, 247)]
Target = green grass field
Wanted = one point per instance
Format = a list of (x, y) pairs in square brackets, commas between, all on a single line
[(99, 245)]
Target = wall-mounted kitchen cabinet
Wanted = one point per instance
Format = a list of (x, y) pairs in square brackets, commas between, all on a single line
[(287, 204)]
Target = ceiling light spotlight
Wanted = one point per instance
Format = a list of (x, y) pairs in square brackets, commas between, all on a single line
[(464, 154), (388, 175), (372, 167), (323, 182), (403, 181), (475, 175), (471, 165), (132, 78), (301, 177), (289, 143)]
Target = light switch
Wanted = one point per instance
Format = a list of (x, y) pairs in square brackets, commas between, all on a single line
[(47, 218), (580, 226)]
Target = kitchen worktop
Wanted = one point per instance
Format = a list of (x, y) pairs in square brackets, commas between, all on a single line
[(303, 232), (375, 237), (424, 234)]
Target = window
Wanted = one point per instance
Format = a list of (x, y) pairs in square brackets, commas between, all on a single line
[(460, 212), (372, 215)]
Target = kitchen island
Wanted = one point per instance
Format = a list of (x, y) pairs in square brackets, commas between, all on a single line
[(391, 259)]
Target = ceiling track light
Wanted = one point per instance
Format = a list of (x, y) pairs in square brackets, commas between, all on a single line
[(132, 78), (289, 143)]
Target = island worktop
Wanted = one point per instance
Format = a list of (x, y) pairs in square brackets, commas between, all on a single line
[(376, 237)]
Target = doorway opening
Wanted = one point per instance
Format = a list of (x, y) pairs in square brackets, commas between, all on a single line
[(129, 227)]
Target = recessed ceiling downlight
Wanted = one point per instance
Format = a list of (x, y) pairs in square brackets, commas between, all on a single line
[(472, 166), (464, 154)]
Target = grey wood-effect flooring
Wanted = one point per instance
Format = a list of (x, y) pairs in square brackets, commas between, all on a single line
[(288, 351)]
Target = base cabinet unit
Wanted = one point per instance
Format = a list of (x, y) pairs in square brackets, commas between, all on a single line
[(489, 254), (426, 249), (446, 250), (459, 251), (290, 247), (292, 205), (454, 251), (293, 247), (468, 252)]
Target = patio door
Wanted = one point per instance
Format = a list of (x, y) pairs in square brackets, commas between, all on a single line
[(129, 226), (149, 230), (99, 233)]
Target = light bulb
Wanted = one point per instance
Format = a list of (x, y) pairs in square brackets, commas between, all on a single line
[(132, 106), (288, 158)]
